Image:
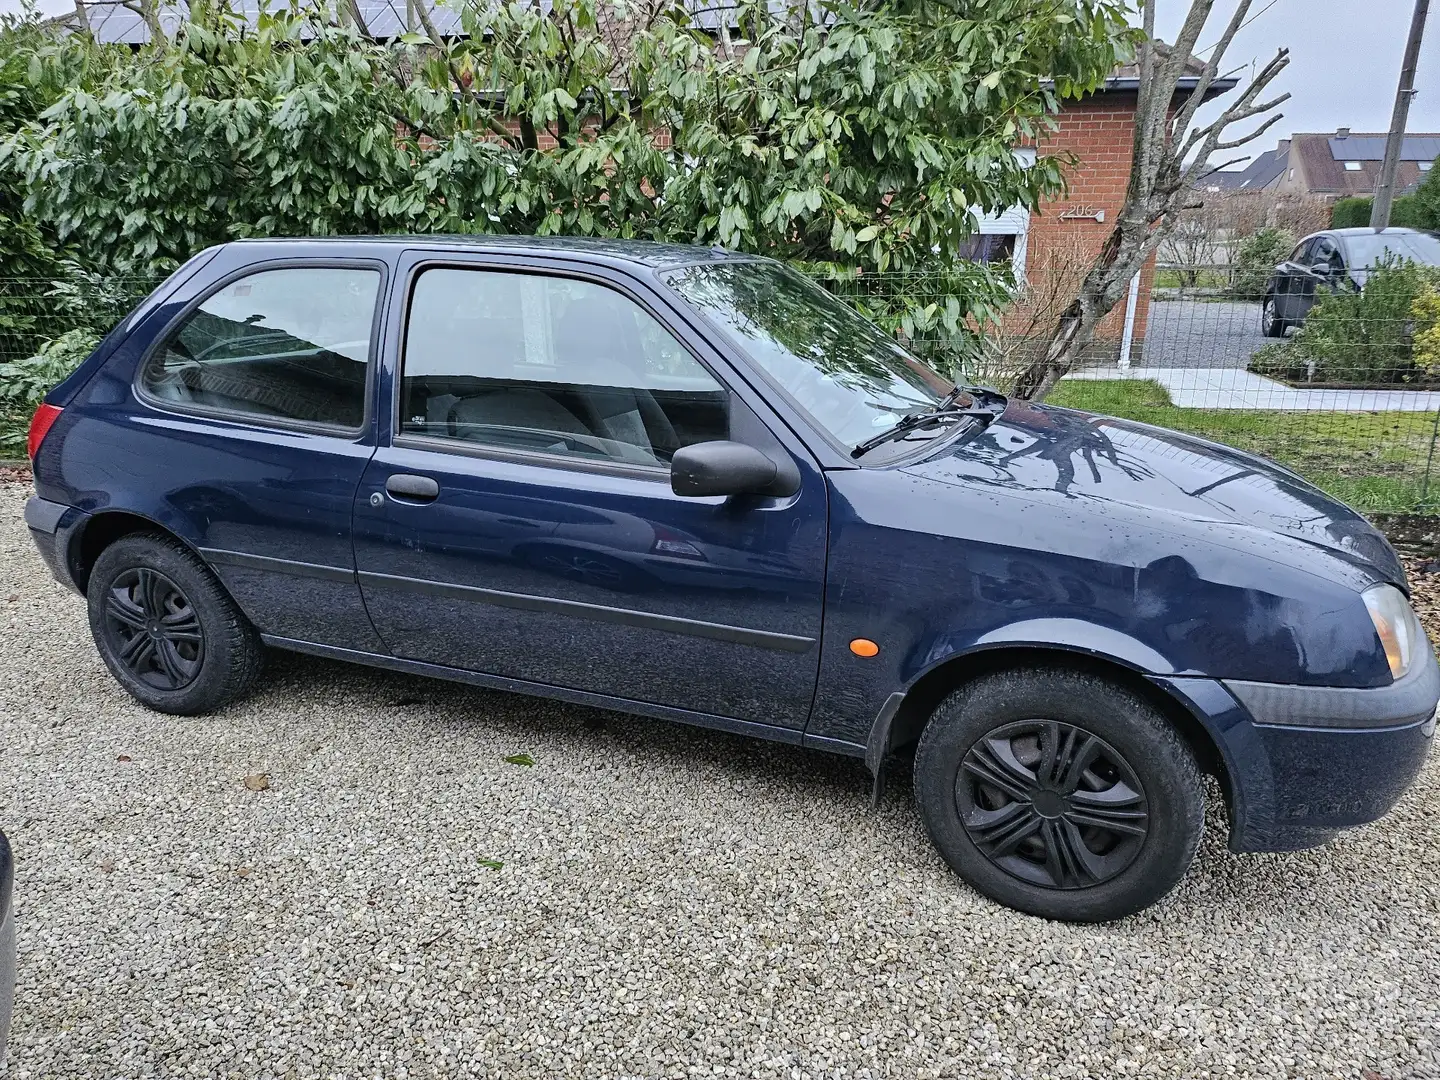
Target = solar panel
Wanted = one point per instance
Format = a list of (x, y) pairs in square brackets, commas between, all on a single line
[(111, 21), (1372, 148)]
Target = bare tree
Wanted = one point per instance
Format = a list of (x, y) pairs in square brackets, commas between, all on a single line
[(1170, 157), (1197, 239)]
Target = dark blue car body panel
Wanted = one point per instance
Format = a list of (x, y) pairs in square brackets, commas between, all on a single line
[(1179, 561)]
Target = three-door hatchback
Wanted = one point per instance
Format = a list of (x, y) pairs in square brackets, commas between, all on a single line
[(690, 484)]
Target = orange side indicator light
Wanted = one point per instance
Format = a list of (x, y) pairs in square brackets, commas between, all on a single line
[(864, 647)]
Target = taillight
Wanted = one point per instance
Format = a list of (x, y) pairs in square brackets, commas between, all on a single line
[(40, 423)]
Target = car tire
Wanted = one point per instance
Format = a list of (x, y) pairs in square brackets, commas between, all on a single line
[(1271, 325), (166, 628), (1059, 793)]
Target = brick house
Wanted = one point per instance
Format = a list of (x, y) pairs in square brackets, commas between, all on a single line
[(1098, 131)]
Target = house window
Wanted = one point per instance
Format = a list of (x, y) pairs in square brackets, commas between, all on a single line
[(989, 247), (1352, 166), (1425, 165), (1002, 237)]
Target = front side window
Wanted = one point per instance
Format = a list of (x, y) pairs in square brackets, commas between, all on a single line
[(1326, 252), (290, 344), (850, 376), (551, 365)]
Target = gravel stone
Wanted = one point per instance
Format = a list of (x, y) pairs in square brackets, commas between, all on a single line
[(646, 900)]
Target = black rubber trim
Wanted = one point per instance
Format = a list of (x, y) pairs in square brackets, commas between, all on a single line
[(7, 876), (42, 515), (764, 639), (751, 728), (220, 557), (1409, 700), (878, 745)]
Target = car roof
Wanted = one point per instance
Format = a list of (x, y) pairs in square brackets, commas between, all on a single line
[(647, 253), (1361, 230)]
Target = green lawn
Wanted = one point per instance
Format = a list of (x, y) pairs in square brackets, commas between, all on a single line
[(1373, 461)]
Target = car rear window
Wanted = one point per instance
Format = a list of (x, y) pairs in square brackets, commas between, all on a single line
[(290, 344), (1417, 247)]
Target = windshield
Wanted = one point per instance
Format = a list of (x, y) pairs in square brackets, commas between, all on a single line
[(1417, 246), (850, 376)]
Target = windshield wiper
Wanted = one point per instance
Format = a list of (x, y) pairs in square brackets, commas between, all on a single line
[(943, 410)]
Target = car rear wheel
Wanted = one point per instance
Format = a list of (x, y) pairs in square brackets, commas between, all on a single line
[(167, 630), (1271, 325), (1059, 794)]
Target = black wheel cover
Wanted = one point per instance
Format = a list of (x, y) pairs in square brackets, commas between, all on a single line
[(152, 629), (1052, 804)]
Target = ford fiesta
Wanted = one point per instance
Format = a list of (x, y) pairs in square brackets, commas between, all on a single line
[(689, 484)]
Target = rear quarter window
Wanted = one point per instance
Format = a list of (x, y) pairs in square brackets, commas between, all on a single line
[(291, 344)]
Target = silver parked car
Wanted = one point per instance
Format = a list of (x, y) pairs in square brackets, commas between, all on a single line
[(1333, 260)]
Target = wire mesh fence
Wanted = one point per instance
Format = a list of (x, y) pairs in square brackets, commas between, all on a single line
[(1339, 383)]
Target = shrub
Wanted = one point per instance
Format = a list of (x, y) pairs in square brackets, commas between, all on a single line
[(1427, 202), (1426, 312), (1256, 258), (1351, 213), (25, 382), (1358, 336)]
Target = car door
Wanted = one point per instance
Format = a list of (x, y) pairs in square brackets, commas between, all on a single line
[(519, 520), (1290, 282), (1317, 275), (251, 434)]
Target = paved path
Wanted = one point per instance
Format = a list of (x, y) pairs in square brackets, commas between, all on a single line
[(1192, 333), (1232, 388)]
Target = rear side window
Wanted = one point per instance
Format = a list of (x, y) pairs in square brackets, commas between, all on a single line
[(290, 344)]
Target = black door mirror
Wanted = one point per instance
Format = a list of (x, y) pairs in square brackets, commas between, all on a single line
[(730, 468)]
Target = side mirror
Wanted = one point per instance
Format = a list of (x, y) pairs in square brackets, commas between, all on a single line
[(730, 468), (1321, 269)]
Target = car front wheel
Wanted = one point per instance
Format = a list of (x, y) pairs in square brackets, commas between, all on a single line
[(1271, 325), (1059, 794), (167, 630)]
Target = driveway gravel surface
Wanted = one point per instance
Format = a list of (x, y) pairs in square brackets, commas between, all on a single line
[(1201, 334), (344, 877)]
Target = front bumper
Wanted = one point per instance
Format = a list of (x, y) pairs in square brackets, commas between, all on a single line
[(53, 526), (1304, 762)]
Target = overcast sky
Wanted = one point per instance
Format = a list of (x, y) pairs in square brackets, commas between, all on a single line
[(1344, 58)]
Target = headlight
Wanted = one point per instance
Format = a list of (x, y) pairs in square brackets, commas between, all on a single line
[(1396, 624)]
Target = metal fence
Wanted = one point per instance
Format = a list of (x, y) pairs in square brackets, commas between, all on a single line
[(1348, 395), (1342, 386)]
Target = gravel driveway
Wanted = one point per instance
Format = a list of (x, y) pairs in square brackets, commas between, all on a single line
[(1201, 334), (645, 900)]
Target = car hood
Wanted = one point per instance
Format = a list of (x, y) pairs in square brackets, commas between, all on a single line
[(1124, 469)]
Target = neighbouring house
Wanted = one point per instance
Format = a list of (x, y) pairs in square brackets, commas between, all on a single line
[(1334, 165), (1261, 174), (1096, 132)]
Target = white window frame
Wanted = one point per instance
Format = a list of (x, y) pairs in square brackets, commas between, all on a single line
[(1012, 222)]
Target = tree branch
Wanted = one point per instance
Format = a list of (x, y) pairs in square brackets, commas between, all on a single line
[(1186, 112)]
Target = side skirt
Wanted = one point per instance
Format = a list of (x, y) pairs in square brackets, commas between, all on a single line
[(560, 693)]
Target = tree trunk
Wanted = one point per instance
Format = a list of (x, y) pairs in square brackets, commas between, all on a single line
[(1075, 329)]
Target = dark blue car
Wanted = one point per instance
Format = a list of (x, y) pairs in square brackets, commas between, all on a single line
[(689, 484)]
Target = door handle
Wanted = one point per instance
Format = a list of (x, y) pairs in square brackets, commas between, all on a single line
[(409, 486)]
